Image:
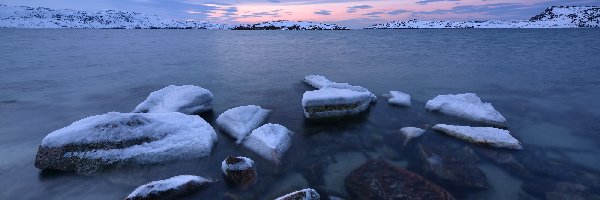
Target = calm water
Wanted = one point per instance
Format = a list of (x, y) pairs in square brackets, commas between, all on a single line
[(545, 82)]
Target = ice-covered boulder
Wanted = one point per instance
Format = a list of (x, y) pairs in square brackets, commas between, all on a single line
[(270, 141), (483, 135), (238, 122), (410, 133), (398, 98), (170, 188), (239, 170), (331, 102), (305, 194), (186, 99), (467, 106), (103, 140), (318, 81)]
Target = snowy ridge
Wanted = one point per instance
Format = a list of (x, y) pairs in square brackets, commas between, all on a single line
[(552, 17), (289, 25), (40, 17)]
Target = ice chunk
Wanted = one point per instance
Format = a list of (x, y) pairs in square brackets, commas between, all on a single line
[(305, 194), (330, 102), (318, 81), (467, 106), (270, 141), (399, 98), (103, 140), (187, 99), (410, 133), (238, 122), (169, 188), (239, 170), (482, 135)]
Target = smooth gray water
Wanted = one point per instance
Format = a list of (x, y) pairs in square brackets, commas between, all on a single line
[(545, 82)]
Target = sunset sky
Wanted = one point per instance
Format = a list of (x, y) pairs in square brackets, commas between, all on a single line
[(352, 13)]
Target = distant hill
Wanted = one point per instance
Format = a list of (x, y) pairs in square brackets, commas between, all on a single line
[(552, 17)]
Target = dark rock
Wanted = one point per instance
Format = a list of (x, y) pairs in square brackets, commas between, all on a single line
[(571, 191), (239, 170), (169, 188), (452, 166), (378, 179)]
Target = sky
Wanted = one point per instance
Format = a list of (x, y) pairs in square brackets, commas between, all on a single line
[(351, 13)]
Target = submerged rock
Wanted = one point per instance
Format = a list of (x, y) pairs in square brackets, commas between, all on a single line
[(305, 194), (332, 102), (238, 122), (398, 98), (467, 106), (378, 179), (452, 166), (319, 82), (239, 170), (100, 141), (169, 188), (270, 141), (186, 99), (410, 133), (482, 135)]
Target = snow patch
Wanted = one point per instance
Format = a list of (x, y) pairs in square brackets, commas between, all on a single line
[(270, 141), (482, 135), (330, 102), (155, 188), (399, 98), (186, 99), (238, 122), (467, 106)]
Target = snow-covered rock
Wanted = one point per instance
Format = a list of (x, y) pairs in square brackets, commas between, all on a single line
[(318, 81), (467, 106), (239, 170), (186, 99), (482, 135), (410, 133), (289, 25), (169, 188), (238, 122), (332, 102), (270, 141), (552, 17), (40, 17), (398, 98), (99, 141), (305, 194)]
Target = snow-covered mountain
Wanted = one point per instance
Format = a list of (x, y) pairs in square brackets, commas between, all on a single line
[(29, 17), (289, 25), (552, 17)]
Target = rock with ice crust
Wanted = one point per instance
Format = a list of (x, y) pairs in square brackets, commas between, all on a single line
[(305, 194), (410, 133), (270, 141), (398, 98), (467, 106), (100, 141), (318, 81), (170, 188), (239, 170), (238, 122), (186, 99), (333, 102), (482, 135)]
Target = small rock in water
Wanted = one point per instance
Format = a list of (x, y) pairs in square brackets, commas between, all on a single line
[(399, 98), (467, 106), (378, 179), (410, 133), (239, 170), (305, 194), (319, 82), (482, 135), (100, 141), (186, 99), (238, 122), (270, 141), (333, 102), (169, 188), (452, 166)]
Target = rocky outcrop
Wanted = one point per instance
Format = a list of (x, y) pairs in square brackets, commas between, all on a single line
[(305, 194), (169, 188), (378, 179), (239, 170)]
